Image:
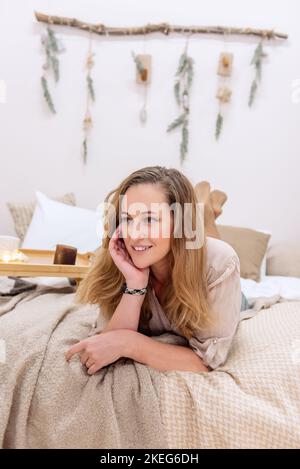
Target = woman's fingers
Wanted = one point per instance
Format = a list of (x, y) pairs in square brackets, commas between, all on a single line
[(78, 347), (84, 358), (89, 363), (114, 243), (93, 369)]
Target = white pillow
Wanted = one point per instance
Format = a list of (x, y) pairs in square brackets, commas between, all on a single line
[(263, 267), (57, 223)]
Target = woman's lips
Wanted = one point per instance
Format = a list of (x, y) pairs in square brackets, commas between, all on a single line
[(140, 251)]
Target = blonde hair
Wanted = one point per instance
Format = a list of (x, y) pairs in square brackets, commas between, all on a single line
[(185, 298)]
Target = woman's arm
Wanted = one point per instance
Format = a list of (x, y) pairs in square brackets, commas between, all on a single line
[(127, 313), (104, 349), (163, 357)]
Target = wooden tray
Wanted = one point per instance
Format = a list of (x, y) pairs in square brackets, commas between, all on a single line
[(40, 264)]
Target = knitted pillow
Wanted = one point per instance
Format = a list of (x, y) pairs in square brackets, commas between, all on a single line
[(250, 245), (22, 213)]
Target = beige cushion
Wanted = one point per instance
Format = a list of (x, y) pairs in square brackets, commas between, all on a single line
[(284, 259), (250, 245), (22, 212)]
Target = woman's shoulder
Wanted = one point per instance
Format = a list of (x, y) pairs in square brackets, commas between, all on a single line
[(221, 260)]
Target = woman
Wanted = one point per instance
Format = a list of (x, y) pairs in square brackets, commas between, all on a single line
[(148, 285)]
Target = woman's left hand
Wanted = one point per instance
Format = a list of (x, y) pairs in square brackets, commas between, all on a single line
[(101, 349)]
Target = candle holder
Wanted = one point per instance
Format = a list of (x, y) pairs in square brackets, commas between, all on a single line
[(9, 251), (65, 254)]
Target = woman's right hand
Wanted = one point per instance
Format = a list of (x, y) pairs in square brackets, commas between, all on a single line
[(134, 277)]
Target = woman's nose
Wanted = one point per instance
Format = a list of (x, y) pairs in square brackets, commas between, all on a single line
[(138, 231)]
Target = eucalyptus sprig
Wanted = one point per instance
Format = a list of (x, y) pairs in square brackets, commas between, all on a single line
[(52, 47), (88, 121), (87, 126), (90, 82), (257, 62), (223, 95), (219, 125), (47, 94), (183, 82), (84, 150)]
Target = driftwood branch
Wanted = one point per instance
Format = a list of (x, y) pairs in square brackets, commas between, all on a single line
[(163, 28)]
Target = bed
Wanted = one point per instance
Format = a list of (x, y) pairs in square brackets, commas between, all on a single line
[(251, 401)]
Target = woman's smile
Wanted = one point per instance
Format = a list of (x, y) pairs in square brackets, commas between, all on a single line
[(140, 249)]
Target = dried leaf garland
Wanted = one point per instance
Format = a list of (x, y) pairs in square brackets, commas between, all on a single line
[(184, 76), (90, 84), (52, 41), (183, 82), (87, 126), (143, 73), (177, 122), (52, 47), (219, 125), (88, 121), (184, 141), (47, 95), (257, 62), (223, 95), (224, 92), (84, 150)]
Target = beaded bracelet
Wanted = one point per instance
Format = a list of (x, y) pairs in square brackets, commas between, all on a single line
[(133, 291)]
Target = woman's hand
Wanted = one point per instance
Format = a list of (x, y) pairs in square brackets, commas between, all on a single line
[(135, 277), (101, 350)]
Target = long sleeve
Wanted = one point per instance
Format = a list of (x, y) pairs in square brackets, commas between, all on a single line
[(213, 344)]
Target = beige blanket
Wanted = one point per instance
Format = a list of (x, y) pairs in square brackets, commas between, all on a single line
[(46, 402), (253, 401)]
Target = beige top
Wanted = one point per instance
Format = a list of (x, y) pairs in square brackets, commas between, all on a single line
[(224, 286)]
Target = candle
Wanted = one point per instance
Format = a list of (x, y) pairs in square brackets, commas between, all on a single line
[(65, 254)]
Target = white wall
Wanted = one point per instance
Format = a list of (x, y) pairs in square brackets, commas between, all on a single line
[(257, 159)]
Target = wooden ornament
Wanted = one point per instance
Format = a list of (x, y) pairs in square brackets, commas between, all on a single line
[(225, 64), (144, 75), (224, 94)]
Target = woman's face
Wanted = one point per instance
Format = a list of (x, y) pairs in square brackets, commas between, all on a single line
[(146, 224)]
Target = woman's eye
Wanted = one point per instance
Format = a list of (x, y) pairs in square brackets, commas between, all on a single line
[(147, 219), (125, 220), (151, 219)]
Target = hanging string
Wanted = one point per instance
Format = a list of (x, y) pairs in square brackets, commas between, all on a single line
[(143, 112), (88, 122), (88, 64)]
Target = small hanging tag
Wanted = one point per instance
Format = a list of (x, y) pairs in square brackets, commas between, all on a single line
[(224, 94), (225, 64), (143, 72)]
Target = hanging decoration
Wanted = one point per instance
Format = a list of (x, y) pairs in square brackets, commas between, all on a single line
[(183, 76), (90, 97), (143, 77), (164, 28), (52, 47), (182, 86), (259, 54), (224, 91)]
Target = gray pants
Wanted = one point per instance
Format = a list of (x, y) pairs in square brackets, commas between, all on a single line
[(244, 304)]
